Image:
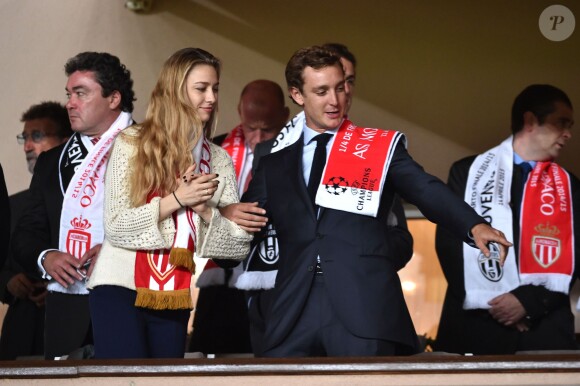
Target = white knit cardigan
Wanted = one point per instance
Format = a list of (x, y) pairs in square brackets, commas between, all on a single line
[(128, 229)]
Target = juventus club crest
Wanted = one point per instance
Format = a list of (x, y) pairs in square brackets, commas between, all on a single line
[(546, 247), (78, 241), (490, 267), (268, 248)]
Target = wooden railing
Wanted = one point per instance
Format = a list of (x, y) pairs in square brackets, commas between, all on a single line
[(556, 369)]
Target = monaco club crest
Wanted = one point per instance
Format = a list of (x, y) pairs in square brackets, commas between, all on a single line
[(158, 261), (546, 247), (78, 241)]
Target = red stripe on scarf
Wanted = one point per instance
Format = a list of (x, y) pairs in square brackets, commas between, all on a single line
[(235, 145), (546, 241)]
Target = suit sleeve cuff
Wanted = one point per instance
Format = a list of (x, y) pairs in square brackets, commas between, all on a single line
[(40, 263)]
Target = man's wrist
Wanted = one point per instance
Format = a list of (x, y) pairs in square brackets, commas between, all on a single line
[(40, 263)]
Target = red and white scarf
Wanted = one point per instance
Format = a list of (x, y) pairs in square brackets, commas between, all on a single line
[(355, 171), (357, 167), (547, 229), (546, 255), (235, 145), (163, 276), (81, 219)]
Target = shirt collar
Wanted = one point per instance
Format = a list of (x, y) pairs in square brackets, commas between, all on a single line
[(518, 160), (309, 134)]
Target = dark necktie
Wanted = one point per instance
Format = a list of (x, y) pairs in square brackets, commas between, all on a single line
[(318, 163), (525, 169)]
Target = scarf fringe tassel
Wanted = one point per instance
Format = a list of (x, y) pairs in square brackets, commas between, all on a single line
[(182, 257), (164, 300)]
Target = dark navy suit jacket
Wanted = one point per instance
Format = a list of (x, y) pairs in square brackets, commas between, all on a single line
[(358, 260)]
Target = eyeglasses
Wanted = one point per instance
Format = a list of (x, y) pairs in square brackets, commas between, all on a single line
[(36, 136)]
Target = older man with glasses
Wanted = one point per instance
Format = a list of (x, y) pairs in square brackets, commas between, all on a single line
[(46, 125)]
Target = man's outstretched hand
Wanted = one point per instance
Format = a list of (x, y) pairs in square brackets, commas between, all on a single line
[(484, 234)]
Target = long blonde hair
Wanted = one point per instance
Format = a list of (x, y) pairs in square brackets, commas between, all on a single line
[(171, 128)]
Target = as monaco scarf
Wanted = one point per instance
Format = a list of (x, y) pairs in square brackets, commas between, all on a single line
[(163, 276), (81, 220), (546, 255), (547, 229), (357, 167), (352, 181)]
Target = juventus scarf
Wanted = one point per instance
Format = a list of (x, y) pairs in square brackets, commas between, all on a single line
[(546, 255)]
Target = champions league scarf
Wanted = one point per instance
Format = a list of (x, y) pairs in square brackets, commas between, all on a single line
[(546, 255), (81, 220), (163, 276), (357, 167), (358, 163)]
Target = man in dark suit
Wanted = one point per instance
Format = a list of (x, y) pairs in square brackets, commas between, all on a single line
[(337, 292), (523, 305), (221, 323), (46, 125), (260, 265), (64, 215)]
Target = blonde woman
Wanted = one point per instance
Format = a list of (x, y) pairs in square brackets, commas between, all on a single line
[(164, 182)]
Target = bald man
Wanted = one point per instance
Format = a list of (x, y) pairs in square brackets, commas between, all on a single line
[(263, 113), (221, 320)]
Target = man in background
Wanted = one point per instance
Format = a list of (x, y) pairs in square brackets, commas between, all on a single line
[(518, 187), (46, 125)]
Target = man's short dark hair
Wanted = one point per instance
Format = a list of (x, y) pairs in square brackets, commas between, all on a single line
[(539, 99), (53, 111), (342, 51), (315, 57), (109, 72)]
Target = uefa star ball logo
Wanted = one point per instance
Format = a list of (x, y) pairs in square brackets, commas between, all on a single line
[(336, 185)]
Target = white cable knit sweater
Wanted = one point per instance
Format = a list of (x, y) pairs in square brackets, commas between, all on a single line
[(128, 229)]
